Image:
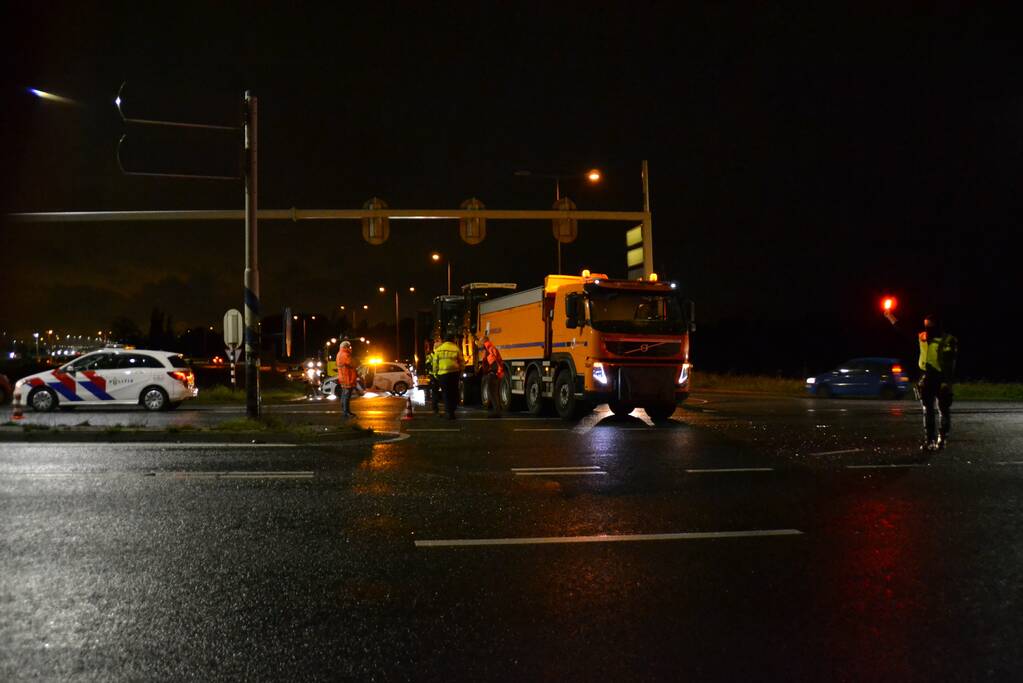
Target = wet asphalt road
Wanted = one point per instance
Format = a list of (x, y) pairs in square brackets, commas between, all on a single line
[(752, 539)]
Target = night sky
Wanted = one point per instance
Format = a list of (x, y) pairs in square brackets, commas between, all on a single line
[(802, 161)]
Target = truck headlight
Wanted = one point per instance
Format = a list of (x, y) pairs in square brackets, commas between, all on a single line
[(811, 380), (598, 373), (683, 376)]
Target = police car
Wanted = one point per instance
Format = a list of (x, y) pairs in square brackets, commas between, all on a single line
[(156, 380)]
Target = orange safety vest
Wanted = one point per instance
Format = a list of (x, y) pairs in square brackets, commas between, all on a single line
[(346, 377), (494, 359)]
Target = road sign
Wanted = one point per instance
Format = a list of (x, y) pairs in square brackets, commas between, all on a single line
[(233, 326), (233, 353), (634, 256), (375, 230), (565, 229), (472, 230)]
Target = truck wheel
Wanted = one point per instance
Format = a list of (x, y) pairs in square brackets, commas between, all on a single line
[(824, 391), (485, 394), (506, 395), (534, 394), (620, 409), (565, 402), (888, 393), (660, 412)]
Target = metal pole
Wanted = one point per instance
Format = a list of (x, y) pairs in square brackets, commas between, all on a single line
[(557, 198), (252, 340), (449, 277), (397, 343), (648, 228)]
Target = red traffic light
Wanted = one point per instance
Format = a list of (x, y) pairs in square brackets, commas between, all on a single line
[(888, 304)]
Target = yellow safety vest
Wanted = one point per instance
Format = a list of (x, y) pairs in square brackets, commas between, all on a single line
[(447, 358), (938, 354)]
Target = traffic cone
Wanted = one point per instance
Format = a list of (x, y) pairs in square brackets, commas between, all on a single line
[(17, 413), (408, 408)]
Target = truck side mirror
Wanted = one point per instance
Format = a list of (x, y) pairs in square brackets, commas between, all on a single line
[(571, 310)]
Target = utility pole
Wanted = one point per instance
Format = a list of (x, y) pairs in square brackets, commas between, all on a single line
[(252, 336)]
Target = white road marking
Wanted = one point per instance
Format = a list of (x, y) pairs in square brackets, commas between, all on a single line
[(605, 538), (302, 474), (64, 475), (153, 444), (731, 469), (555, 469), (848, 450), (506, 419), (881, 467), (1010, 462), (569, 473)]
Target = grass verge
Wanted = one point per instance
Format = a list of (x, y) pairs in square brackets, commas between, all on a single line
[(784, 386), (222, 394)]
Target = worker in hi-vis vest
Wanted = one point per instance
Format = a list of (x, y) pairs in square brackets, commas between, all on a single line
[(448, 359), (937, 363)]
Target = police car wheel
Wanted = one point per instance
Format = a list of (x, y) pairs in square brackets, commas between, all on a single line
[(399, 388), (154, 398), (42, 400)]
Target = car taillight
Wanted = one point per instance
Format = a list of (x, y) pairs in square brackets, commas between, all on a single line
[(185, 378), (896, 369)]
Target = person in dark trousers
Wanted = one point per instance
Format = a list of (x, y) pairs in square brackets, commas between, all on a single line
[(347, 379), (492, 369), (937, 363), (433, 388), (449, 363)]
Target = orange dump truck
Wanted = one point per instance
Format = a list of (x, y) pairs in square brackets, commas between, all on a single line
[(579, 341)]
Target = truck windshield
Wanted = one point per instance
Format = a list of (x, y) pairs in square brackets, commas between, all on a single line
[(625, 311)]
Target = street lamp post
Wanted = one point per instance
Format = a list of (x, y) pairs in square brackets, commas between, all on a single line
[(365, 307), (593, 176), (436, 257), (397, 322), (36, 335)]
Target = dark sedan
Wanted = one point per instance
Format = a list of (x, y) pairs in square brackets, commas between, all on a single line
[(878, 377)]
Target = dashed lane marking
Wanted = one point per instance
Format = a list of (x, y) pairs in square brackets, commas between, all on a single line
[(576, 471), (255, 474), (730, 469), (508, 419), (555, 469), (607, 538), (884, 467), (155, 444), (1010, 462), (843, 452)]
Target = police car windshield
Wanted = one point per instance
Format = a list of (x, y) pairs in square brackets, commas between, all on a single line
[(625, 311)]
